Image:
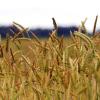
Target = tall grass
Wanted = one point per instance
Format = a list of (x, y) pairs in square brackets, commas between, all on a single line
[(50, 69)]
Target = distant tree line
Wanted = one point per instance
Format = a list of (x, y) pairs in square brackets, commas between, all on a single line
[(38, 31)]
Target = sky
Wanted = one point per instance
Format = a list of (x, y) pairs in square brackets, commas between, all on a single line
[(39, 13)]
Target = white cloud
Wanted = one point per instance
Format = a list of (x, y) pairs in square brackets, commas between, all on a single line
[(39, 12)]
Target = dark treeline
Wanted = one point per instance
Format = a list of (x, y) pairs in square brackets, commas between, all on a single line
[(39, 31)]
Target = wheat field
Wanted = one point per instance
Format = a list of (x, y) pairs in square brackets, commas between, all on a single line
[(65, 68)]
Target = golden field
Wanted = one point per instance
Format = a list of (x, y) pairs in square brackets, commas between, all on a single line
[(56, 68)]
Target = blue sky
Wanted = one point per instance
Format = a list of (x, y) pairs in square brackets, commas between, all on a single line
[(38, 13)]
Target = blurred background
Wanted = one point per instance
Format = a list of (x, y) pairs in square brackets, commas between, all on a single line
[(38, 14)]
